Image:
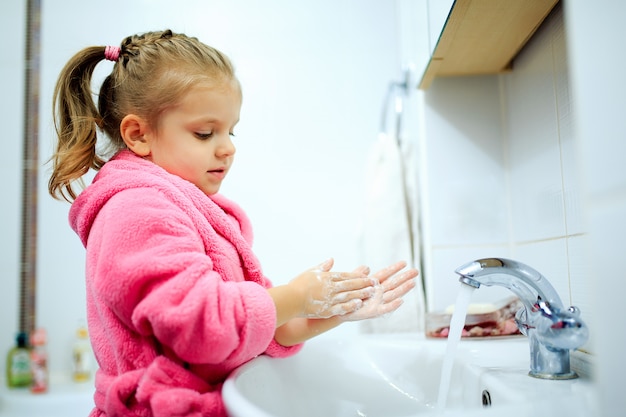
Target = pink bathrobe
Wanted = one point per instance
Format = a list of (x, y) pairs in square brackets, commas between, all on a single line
[(176, 299)]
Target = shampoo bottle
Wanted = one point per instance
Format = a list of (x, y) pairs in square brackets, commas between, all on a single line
[(18, 364), (39, 361), (81, 356)]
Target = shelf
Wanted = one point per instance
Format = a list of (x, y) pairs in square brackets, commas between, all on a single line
[(483, 36)]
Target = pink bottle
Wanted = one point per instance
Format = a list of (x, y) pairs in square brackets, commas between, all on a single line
[(39, 361)]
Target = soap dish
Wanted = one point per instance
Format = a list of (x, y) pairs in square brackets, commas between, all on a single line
[(482, 320)]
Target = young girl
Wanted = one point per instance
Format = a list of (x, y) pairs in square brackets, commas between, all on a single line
[(176, 299)]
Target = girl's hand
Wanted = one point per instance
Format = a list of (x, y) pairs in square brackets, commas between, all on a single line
[(388, 294), (325, 294)]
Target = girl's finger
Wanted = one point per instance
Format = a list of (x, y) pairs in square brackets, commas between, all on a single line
[(353, 284), (398, 292), (397, 280), (365, 270), (385, 273)]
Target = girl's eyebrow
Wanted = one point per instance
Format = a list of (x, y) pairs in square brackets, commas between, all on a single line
[(216, 121), (204, 120)]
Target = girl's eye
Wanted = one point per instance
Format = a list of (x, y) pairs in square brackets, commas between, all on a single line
[(232, 135), (203, 136)]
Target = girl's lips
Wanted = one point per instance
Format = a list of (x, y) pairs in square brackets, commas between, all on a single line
[(219, 173)]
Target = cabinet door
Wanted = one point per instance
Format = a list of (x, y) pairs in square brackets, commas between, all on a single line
[(420, 25), (438, 12)]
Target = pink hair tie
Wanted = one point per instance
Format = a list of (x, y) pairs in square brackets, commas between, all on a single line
[(112, 53)]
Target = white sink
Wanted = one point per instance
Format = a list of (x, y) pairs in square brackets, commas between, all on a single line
[(398, 375)]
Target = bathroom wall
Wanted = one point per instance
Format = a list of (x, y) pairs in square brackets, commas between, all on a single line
[(502, 169), (314, 76), (530, 165)]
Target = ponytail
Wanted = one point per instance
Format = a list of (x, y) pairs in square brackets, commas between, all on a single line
[(76, 120)]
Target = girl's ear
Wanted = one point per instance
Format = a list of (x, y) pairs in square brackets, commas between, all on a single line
[(135, 132)]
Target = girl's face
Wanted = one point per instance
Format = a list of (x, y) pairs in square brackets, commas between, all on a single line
[(194, 138)]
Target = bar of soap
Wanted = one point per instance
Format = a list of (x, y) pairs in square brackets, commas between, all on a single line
[(482, 320)]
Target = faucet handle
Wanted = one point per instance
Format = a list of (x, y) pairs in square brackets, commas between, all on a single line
[(521, 320), (562, 329), (574, 310)]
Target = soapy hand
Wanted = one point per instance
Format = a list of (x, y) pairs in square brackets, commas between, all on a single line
[(388, 294), (326, 294)]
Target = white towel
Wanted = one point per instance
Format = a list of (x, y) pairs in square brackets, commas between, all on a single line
[(386, 233)]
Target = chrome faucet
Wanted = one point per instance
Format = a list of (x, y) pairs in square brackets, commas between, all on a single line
[(552, 330)]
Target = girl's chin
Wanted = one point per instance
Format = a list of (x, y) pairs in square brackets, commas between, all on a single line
[(210, 190)]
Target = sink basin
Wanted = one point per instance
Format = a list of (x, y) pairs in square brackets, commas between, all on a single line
[(399, 375)]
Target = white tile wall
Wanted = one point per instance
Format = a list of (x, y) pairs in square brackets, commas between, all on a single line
[(504, 174), (465, 157), (533, 137), (463, 166), (573, 194), (546, 167)]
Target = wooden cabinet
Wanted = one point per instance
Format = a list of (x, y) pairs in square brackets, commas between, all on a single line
[(481, 36)]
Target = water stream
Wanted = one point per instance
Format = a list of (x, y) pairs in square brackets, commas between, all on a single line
[(454, 336)]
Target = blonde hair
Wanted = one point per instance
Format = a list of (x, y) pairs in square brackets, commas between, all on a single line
[(152, 72)]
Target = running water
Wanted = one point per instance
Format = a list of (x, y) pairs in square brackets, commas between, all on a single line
[(454, 336)]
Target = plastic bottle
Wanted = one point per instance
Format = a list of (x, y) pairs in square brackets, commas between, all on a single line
[(39, 361), (81, 356), (18, 364)]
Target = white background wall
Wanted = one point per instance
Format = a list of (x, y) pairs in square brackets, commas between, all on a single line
[(314, 76)]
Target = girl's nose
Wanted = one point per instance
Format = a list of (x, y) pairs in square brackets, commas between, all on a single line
[(226, 148)]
